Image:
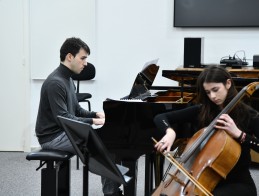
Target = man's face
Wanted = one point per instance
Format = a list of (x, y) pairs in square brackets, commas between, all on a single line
[(79, 61)]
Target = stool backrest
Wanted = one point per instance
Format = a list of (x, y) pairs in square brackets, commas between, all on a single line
[(88, 73)]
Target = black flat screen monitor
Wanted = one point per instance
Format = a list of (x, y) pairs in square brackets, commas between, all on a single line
[(216, 13)]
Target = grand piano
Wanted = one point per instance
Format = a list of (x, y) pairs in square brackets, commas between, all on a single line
[(129, 125)]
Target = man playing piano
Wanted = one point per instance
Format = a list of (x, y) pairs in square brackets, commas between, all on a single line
[(58, 98)]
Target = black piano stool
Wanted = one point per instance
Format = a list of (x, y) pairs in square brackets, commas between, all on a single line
[(55, 177)]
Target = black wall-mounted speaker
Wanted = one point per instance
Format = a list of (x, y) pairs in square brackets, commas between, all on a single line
[(193, 52)]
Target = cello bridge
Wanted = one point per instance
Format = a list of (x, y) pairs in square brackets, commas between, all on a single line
[(174, 178)]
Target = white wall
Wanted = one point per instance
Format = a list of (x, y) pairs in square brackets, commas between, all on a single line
[(51, 22), (14, 68), (129, 33)]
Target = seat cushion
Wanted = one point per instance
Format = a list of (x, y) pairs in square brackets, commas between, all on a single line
[(49, 155), (83, 96)]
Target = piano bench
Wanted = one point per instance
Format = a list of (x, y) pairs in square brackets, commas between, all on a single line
[(55, 177)]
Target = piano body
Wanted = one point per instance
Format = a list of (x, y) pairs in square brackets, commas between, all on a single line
[(129, 125)]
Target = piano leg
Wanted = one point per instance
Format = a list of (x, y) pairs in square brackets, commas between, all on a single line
[(154, 162), (131, 188), (158, 162), (148, 174)]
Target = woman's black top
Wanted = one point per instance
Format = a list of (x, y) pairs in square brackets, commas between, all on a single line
[(240, 173)]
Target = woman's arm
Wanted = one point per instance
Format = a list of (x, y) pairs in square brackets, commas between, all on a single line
[(165, 121)]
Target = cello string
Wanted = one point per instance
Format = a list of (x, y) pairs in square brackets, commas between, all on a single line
[(176, 155), (186, 173), (167, 171)]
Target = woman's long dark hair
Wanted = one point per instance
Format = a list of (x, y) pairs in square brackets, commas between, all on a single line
[(209, 110)]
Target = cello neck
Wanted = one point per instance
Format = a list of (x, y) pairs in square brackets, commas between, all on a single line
[(246, 91)]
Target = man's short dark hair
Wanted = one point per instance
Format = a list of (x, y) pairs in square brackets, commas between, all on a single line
[(72, 45)]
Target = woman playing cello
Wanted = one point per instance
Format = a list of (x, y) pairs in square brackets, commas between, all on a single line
[(215, 89)]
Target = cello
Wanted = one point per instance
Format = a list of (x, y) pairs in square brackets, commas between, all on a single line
[(207, 158)]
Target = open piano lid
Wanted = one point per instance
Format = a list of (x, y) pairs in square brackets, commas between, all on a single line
[(144, 80)]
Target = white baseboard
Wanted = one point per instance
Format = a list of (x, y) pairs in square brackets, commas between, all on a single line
[(33, 148)]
